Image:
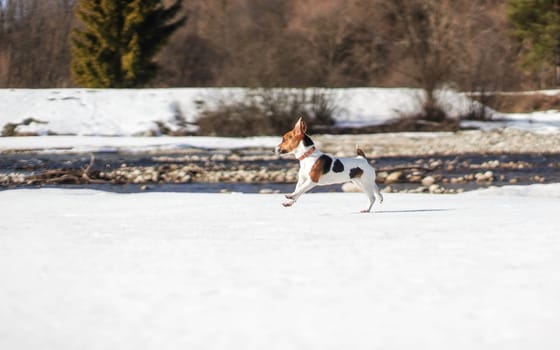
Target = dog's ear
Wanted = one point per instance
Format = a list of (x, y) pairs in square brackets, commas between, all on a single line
[(300, 126)]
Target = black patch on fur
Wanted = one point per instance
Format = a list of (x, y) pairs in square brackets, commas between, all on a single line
[(338, 167), (356, 172), (307, 141), (327, 162)]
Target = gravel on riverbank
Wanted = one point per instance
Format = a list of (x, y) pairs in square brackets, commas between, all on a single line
[(442, 143)]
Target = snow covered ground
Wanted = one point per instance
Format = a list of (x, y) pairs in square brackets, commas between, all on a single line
[(82, 269), (128, 112)]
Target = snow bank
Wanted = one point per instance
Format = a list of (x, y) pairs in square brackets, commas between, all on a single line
[(112, 112), (127, 112), (89, 270)]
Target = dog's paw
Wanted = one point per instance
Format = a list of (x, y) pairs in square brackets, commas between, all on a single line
[(289, 196), (288, 204)]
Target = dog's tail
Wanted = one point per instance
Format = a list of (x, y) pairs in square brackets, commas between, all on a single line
[(360, 152)]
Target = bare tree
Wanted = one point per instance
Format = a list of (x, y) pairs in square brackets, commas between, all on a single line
[(34, 48), (425, 37)]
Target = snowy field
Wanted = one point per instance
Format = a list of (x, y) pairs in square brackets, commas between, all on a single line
[(82, 269)]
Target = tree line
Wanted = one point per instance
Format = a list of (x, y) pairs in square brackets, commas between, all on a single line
[(471, 45)]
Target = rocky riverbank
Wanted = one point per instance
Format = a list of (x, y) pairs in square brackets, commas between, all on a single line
[(499, 141), (434, 162)]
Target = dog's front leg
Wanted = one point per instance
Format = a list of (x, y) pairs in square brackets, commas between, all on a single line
[(301, 180), (301, 188), (290, 196)]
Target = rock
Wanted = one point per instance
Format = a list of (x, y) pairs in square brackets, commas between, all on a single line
[(457, 180), (414, 178), (435, 163), (393, 177), (435, 188), (487, 176), (428, 181), (155, 176), (387, 189), (381, 176)]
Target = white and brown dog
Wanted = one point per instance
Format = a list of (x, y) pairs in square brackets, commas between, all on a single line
[(317, 168)]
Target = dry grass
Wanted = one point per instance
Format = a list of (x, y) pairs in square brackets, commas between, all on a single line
[(520, 102)]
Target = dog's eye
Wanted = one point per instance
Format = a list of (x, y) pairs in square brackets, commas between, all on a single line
[(290, 137)]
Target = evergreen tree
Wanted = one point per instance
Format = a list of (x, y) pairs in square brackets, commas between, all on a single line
[(536, 25), (118, 40)]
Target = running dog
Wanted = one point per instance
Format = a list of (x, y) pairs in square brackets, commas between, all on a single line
[(318, 169)]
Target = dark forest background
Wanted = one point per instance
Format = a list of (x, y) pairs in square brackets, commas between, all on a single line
[(463, 44)]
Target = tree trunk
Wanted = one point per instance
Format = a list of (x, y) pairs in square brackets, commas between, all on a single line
[(557, 61)]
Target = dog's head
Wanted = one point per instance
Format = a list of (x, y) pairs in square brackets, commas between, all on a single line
[(292, 138)]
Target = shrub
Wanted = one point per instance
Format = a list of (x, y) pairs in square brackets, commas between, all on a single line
[(267, 112), (10, 129)]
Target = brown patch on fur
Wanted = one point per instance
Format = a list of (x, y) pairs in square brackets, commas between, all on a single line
[(320, 167), (360, 152), (290, 141), (356, 172), (292, 138)]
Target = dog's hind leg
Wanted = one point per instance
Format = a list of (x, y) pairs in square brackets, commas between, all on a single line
[(368, 191), (377, 193)]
